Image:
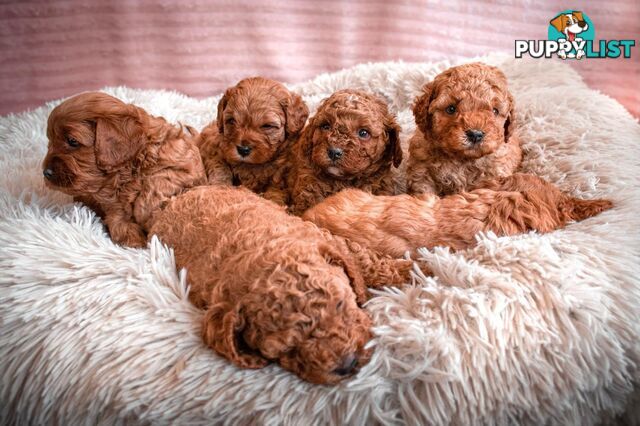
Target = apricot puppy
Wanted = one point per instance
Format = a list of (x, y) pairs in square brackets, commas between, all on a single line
[(351, 141), (275, 288), (507, 206), (466, 131), (121, 161), (258, 120)]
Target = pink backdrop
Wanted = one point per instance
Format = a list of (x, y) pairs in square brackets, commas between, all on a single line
[(51, 49)]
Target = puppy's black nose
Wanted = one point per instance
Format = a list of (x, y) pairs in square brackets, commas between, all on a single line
[(48, 173), (347, 366), (474, 136), (334, 153), (243, 150), (582, 24)]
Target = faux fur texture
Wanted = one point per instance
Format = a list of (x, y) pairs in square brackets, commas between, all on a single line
[(528, 330)]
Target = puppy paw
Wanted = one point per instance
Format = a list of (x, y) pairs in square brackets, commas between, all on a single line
[(129, 235)]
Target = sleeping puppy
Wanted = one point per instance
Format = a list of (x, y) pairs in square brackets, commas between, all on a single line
[(352, 141), (275, 288), (505, 206), (466, 131), (121, 161), (258, 120)]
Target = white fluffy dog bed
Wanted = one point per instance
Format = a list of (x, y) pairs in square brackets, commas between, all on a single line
[(529, 330)]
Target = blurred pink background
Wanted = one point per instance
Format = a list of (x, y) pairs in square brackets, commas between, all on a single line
[(52, 49)]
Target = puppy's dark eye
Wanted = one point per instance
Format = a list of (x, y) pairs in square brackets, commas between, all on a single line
[(451, 109), (339, 305), (230, 122), (269, 126), (72, 142), (495, 111), (363, 134), (325, 126)]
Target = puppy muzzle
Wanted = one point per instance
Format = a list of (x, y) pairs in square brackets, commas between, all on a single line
[(243, 150), (56, 173), (347, 366), (474, 136), (334, 153)]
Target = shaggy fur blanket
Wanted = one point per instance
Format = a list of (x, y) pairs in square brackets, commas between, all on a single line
[(533, 329)]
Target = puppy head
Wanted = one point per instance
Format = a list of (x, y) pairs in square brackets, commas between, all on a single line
[(256, 117), (573, 21), (353, 134), (467, 110), (90, 136), (306, 318)]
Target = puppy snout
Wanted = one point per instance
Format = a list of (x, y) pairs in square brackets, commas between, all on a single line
[(243, 150), (334, 153), (347, 366), (582, 24), (47, 173), (474, 136)]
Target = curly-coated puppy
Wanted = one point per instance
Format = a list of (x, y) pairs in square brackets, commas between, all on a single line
[(275, 288), (466, 131), (505, 206), (351, 141), (121, 161), (258, 119)]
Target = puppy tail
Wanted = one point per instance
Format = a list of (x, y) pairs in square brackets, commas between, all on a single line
[(538, 204), (513, 213), (578, 210)]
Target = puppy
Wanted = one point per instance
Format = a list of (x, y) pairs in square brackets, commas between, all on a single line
[(121, 161), (505, 206), (351, 141), (274, 288), (258, 120), (571, 25), (466, 131)]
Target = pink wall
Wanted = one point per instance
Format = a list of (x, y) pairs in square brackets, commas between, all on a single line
[(51, 49)]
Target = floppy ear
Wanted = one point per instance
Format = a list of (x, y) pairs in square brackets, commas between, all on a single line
[(393, 132), (222, 104), (222, 331), (118, 139), (335, 257), (421, 108), (578, 15), (305, 142), (296, 113), (558, 23), (510, 122)]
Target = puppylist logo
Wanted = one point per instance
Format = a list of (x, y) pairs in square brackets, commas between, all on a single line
[(571, 35)]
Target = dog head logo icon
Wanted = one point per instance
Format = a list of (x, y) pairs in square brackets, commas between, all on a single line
[(570, 24), (571, 29)]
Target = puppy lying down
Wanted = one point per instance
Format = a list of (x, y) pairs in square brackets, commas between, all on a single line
[(275, 288), (120, 161), (393, 225)]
